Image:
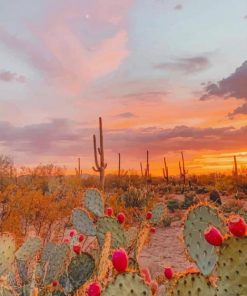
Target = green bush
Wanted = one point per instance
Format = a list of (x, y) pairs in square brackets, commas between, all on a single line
[(173, 204)]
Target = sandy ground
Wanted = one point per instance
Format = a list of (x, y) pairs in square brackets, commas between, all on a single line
[(165, 249)]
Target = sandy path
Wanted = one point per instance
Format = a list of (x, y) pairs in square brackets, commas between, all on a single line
[(165, 249)]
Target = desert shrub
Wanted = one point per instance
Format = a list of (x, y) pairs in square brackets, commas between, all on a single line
[(232, 206), (167, 220), (241, 195), (136, 198), (214, 196), (173, 204), (189, 199)]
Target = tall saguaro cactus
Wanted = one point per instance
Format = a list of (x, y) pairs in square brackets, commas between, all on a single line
[(182, 169), (78, 170), (165, 171), (147, 171), (235, 170), (119, 164), (100, 166)]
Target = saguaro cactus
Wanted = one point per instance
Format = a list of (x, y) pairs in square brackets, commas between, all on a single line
[(141, 169), (100, 166), (235, 170), (119, 164), (165, 171), (182, 169), (78, 170), (147, 171)]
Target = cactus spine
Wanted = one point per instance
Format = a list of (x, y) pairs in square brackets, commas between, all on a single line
[(100, 166)]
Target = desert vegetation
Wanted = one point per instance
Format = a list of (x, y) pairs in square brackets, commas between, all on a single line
[(70, 235)]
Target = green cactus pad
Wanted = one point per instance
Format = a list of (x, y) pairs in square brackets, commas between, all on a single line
[(7, 251), (192, 284), (53, 261), (29, 249), (127, 284), (157, 213), (22, 268), (80, 269), (131, 236), (103, 265), (199, 249), (83, 223), (109, 224), (93, 202), (232, 267)]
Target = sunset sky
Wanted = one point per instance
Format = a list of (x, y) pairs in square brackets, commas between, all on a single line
[(165, 75)]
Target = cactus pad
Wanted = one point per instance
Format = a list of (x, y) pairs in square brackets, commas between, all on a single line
[(7, 250), (29, 249), (157, 213), (53, 261), (193, 284), (204, 254), (104, 258), (232, 267), (109, 224), (80, 269), (83, 223), (93, 202), (127, 284)]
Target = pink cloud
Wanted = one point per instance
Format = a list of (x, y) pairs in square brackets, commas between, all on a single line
[(8, 76)]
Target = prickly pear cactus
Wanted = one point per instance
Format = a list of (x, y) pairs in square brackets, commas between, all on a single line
[(29, 249), (7, 251), (157, 213), (53, 261), (131, 235), (103, 265), (83, 223), (204, 254), (127, 284), (93, 202), (109, 224), (80, 269), (22, 268), (232, 267), (141, 238), (193, 284)]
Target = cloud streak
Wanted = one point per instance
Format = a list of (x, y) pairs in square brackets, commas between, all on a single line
[(185, 65), (8, 76), (232, 86), (64, 137)]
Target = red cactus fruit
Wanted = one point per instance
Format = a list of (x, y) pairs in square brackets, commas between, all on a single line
[(77, 249), (109, 212), (168, 272), (81, 238), (55, 283), (66, 240), (153, 229), (213, 236), (154, 287), (237, 226), (94, 289), (120, 260), (149, 215), (121, 218), (72, 233), (145, 273)]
